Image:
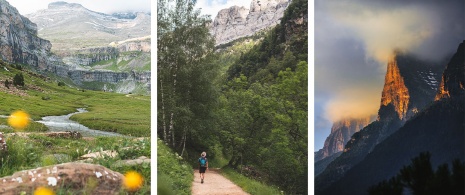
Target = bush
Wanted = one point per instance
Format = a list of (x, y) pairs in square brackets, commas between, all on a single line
[(18, 80), (61, 84), (7, 84)]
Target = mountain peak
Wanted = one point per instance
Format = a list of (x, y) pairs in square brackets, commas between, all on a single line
[(453, 78), (395, 92), (63, 4)]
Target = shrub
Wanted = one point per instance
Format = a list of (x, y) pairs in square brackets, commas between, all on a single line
[(18, 80), (7, 84), (61, 84)]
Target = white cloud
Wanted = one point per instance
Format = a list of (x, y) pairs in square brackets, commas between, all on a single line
[(212, 7)]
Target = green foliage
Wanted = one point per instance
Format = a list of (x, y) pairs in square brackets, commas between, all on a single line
[(61, 84), (279, 50), (18, 80), (420, 178), (174, 175), (186, 74), (266, 126), (7, 84), (249, 185)]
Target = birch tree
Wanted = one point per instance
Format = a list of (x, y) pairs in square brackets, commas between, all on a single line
[(184, 69)]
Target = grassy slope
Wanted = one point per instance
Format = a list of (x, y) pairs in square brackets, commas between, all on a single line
[(174, 175), (107, 111)]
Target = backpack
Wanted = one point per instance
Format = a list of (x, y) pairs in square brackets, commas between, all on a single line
[(203, 161)]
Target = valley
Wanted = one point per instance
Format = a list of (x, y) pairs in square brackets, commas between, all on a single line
[(77, 100)]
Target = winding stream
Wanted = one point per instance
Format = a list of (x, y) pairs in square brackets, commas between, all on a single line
[(63, 123)]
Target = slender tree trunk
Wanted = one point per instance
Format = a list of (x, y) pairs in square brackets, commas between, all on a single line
[(171, 129), (184, 138), (163, 111)]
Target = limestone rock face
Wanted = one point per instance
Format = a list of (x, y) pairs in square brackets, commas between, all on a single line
[(395, 92), (453, 78), (74, 176), (341, 131), (19, 42), (236, 22)]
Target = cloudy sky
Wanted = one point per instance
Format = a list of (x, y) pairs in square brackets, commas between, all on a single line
[(354, 39), (103, 6), (211, 7)]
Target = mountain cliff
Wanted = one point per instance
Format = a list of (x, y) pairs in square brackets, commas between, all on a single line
[(20, 42), (70, 26), (341, 131), (236, 22), (410, 86), (438, 129), (453, 78)]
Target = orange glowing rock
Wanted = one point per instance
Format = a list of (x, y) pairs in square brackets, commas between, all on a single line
[(133, 181), (18, 120), (43, 191)]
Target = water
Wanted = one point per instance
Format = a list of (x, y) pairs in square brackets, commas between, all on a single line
[(63, 123)]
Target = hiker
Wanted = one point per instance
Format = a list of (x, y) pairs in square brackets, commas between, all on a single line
[(203, 165)]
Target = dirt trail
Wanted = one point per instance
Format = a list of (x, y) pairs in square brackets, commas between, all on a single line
[(214, 184)]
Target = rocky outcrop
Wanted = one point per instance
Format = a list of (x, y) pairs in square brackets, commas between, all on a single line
[(410, 85), (19, 42), (341, 131), (236, 22), (395, 92), (80, 76), (86, 57), (71, 176), (453, 78)]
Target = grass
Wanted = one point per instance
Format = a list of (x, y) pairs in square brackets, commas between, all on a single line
[(42, 96), (174, 175), (249, 185), (38, 150), (107, 111)]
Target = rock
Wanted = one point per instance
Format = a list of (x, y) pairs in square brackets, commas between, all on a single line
[(138, 161), (78, 177), (453, 78), (64, 134), (341, 131), (101, 154), (236, 22)]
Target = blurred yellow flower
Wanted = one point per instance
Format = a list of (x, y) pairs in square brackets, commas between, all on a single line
[(18, 120), (133, 181), (43, 191)]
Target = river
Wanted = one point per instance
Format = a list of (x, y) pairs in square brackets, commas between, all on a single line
[(63, 123)]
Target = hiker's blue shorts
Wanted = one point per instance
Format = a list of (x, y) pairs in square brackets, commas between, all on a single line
[(202, 169)]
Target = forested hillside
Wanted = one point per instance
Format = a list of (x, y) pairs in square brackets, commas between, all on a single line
[(252, 119)]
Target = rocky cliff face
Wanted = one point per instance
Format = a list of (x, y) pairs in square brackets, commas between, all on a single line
[(395, 92), (410, 86), (19, 42), (341, 132), (453, 78), (70, 27), (236, 22)]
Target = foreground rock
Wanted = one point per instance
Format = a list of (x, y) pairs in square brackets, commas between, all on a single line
[(75, 177), (64, 134)]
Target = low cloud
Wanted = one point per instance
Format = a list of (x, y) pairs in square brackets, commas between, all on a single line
[(385, 31), (212, 7)]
